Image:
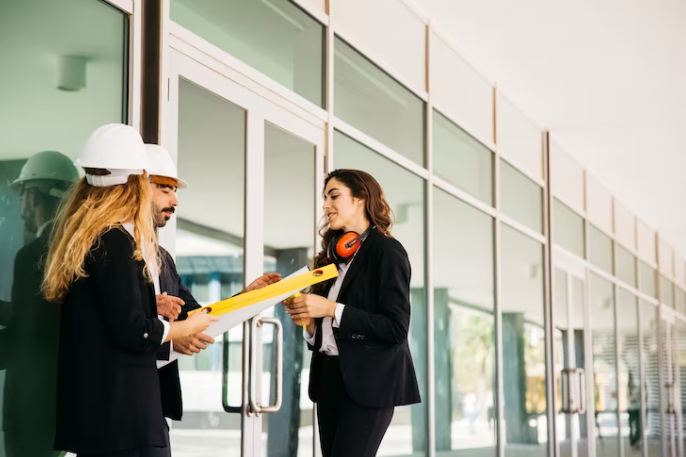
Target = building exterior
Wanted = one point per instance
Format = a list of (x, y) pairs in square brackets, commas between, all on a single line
[(548, 320)]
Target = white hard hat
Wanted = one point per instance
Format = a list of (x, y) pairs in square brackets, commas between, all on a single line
[(117, 148), (162, 165), (51, 172)]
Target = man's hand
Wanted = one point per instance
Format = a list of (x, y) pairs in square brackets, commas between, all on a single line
[(263, 281), (169, 306), (193, 344)]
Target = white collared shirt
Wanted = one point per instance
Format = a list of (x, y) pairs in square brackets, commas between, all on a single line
[(155, 277), (42, 228), (329, 345)]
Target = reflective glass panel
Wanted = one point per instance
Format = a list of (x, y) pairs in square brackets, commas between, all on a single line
[(64, 67), (273, 36), (464, 328), (370, 100), (601, 250), (520, 197), (525, 406), (568, 229), (461, 160)]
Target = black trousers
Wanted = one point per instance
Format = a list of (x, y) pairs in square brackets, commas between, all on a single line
[(150, 451), (634, 426), (347, 429)]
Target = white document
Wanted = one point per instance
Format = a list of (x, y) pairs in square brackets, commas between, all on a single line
[(234, 318)]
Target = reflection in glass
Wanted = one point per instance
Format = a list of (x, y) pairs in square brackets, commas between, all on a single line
[(275, 37), (520, 197), (369, 99), (646, 279), (209, 257), (568, 229), (462, 160), (601, 250), (629, 374), (523, 336), (289, 177), (651, 369), (464, 324), (405, 193), (602, 311), (38, 117), (626, 266)]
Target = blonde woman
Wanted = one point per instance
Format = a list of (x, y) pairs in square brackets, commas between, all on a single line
[(108, 388)]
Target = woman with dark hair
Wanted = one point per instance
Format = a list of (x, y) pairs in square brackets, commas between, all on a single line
[(358, 324)]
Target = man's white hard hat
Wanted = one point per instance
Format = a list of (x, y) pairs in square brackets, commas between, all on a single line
[(162, 166)]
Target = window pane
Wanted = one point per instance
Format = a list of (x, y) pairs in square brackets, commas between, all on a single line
[(626, 266), (646, 279), (369, 99), (629, 375), (666, 291), (41, 111), (651, 369), (462, 160), (289, 176), (275, 37), (464, 324), (523, 334), (405, 194), (680, 301), (601, 250), (568, 228), (602, 310), (209, 254), (520, 197)]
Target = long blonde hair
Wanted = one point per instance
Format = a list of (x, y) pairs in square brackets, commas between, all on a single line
[(87, 213)]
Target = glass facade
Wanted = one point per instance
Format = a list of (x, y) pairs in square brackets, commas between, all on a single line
[(502, 326), (65, 73)]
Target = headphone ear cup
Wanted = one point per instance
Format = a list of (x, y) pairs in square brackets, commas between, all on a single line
[(331, 250), (347, 245)]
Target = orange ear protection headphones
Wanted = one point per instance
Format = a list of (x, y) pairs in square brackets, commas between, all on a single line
[(343, 247)]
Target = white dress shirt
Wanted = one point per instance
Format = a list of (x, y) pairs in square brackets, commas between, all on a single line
[(155, 278), (329, 345)]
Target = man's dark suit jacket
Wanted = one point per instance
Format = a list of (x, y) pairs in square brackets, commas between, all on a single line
[(375, 358), (170, 383)]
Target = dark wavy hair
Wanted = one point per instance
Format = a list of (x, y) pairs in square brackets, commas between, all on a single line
[(378, 212)]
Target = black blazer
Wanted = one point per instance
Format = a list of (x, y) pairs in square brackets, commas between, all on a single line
[(170, 383), (108, 388), (375, 358), (29, 346)]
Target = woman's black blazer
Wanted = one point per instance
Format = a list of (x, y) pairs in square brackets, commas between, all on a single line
[(108, 388), (372, 340)]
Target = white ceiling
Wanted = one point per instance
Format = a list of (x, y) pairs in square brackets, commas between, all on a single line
[(606, 78)]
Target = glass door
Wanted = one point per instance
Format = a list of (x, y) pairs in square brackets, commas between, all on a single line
[(569, 316), (670, 391), (254, 171)]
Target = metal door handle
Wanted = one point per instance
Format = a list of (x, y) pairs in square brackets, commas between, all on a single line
[(573, 391), (255, 406)]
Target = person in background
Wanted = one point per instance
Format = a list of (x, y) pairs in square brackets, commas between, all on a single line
[(103, 268), (176, 300), (28, 346), (358, 324)]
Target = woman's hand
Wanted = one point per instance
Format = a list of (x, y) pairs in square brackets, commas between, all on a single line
[(310, 306)]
